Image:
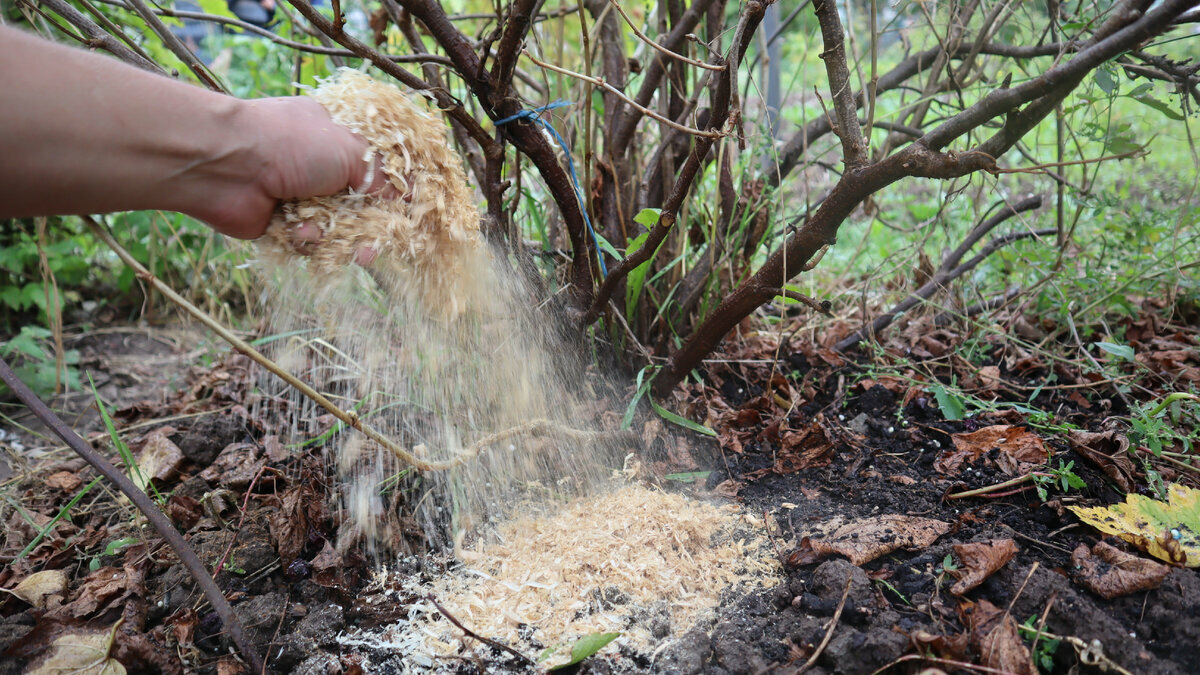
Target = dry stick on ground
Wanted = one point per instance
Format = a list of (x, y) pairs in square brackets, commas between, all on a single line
[(142, 501), (472, 634), (1022, 107), (950, 269), (832, 624)]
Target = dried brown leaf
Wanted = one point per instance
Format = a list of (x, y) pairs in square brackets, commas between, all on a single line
[(42, 589), (995, 636), (1108, 450), (980, 560), (1018, 449), (869, 538), (66, 481), (1111, 573)]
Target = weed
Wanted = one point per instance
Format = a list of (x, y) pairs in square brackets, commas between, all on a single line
[(1063, 478)]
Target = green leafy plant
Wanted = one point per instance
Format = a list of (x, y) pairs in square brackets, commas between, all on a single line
[(1044, 649), (35, 365), (1063, 478)]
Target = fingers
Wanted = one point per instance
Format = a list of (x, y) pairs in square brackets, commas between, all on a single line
[(375, 181), (306, 236)]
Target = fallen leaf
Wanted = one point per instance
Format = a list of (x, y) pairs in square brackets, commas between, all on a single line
[(947, 646), (84, 652), (1108, 450), (869, 538), (1111, 573), (42, 588), (1168, 530), (1018, 449), (980, 560), (159, 460), (184, 511), (100, 590), (995, 636), (66, 481)]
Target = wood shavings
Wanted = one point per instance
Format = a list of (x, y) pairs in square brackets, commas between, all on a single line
[(604, 564), (431, 231)]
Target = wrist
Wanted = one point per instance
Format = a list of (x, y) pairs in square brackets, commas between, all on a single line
[(219, 165)]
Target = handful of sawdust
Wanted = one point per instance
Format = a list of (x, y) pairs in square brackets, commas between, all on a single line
[(430, 232)]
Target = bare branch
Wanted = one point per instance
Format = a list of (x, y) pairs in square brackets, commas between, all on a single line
[(854, 148), (101, 38), (950, 269), (659, 48), (176, 46)]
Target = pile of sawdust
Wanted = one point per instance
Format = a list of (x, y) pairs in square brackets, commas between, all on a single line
[(620, 561), (430, 231)]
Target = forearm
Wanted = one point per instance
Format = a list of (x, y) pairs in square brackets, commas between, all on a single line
[(71, 116), (82, 133)]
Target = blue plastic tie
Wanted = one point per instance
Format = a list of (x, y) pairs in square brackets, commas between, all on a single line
[(534, 116)]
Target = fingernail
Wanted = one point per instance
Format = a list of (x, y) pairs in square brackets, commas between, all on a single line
[(365, 256), (306, 231)]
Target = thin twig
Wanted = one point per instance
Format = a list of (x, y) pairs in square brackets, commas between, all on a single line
[(832, 625), (598, 82), (176, 46), (472, 634), (142, 501), (271, 35), (660, 48)]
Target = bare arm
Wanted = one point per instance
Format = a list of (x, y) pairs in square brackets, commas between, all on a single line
[(83, 133)]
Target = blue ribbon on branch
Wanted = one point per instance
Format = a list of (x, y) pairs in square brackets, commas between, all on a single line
[(534, 116)]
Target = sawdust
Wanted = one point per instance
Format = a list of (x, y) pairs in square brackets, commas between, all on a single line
[(437, 344), (640, 561), (428, 235)]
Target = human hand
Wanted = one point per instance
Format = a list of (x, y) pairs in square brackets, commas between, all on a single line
[(278, 149)]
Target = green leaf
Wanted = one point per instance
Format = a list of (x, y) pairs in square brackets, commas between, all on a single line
[(640, 390), (1105, 80), (952, 406), (681, 421), (688, 477), (1120, 351), (1145, 98), (585, 647), (648, 218), (607, 247), (636, 280)]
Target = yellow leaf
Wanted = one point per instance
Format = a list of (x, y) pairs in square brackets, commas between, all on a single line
[(1168, 530)]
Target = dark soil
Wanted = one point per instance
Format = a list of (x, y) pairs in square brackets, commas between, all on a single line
[(805, 436)]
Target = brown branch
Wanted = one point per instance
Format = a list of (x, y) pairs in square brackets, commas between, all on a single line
[(176, 46), (98, 37), (271, 35), (752, 14), (509, 50), (93, 36), (445, 101), (659, 48), (528, 138), (161, 524), (652, 78), (918, 159), (854, 148), (950, 268)]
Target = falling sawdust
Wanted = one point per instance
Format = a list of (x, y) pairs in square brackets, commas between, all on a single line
[(438, 344)]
